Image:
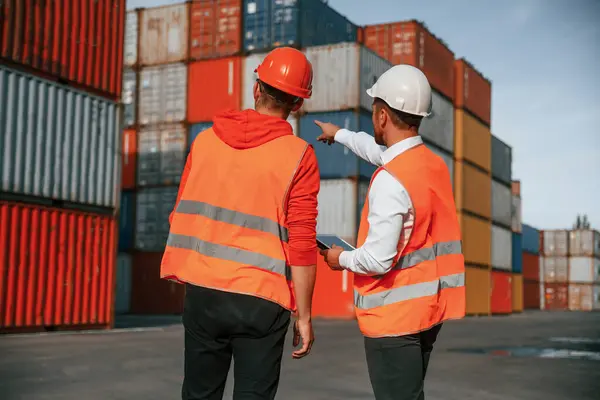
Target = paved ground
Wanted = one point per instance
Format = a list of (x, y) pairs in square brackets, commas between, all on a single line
[(146, 364)]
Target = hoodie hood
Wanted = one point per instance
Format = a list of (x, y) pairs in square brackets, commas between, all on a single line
[(247, 129)]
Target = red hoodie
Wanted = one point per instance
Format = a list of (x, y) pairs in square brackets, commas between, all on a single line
[(247, 129)]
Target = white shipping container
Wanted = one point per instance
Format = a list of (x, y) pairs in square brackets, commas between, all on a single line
[(152, 217), (164, 34), (448, 159), (581, 297), (516, 216), (501, 248), (542, 296), (163, 94), (57, 142), (556, 243), (131, 39), (123, 284), (501, 204), (554, 269), (128, 96), (161, 154), (342, 74), (439, 126), (584, 243), (338, 208), (584, 269)]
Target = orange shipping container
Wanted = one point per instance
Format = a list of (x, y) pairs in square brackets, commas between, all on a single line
[(501, 294), (516, 188), (473, 91), (472, 189), (476, 239), (472, 140), (129, 159), (409, 42), (57, 268), (477, 287), (334, 294), (213, 86), (517, 293), (215, 28)]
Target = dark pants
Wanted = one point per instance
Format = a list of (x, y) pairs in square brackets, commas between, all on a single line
[(397, 365), (219, 325)]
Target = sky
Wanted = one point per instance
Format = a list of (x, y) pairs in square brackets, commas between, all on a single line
[(543, 58)]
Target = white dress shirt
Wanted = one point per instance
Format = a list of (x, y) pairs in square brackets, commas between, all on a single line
[(391, 212)]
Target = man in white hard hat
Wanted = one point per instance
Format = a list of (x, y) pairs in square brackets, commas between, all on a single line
[(408, 265)]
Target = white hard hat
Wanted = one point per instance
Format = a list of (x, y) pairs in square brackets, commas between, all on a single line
[(404, 88)]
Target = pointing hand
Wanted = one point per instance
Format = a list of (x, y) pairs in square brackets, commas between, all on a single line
[(329, 131)]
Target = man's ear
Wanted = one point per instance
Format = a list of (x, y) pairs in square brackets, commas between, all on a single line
[(256, 90)]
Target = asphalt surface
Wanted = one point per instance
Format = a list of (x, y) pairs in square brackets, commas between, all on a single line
[(146, 362)]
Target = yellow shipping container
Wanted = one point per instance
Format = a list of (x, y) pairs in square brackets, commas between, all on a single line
[(476, 239), (472, 140), (517, 293), (472, 189), (478, 288)]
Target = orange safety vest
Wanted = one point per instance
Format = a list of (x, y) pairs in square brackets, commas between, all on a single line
[(229, 229), (426, 284)]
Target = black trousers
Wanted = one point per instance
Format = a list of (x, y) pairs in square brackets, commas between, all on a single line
[(397, 365), (221, 325)]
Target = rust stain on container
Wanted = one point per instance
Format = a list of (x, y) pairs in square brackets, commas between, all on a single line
[(472, 140), (517, 293), (473, 91), (472, 189), (164, 34), (215, 28), (129, 159), (477, 287), (555, 296), (476, 239)]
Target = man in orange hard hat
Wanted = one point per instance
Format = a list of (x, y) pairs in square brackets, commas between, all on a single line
[(243, 238)]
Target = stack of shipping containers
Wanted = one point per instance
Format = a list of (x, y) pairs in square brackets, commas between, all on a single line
[(584, 270), (59, 117), (554, 270), (531, 267), (517, 248)]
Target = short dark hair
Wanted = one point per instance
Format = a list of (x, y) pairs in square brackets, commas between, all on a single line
[(400, 119), (272, 97)]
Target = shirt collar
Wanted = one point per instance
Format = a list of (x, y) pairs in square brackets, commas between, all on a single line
[(392, 152)]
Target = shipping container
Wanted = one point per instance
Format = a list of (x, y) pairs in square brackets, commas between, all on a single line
[(129, 96), (334, 295), (296, 23), (501, 293), (531, 266), (58, 268), (477, 287), (128, 159), (584, 243), (531, 239), (123, 284), (472, 140), (584, 269), (554, 269), (57, 142), (126, 221), (556, 243), (581, 297), (476, 240), (215, 28), (342, 73), (473, 91), (410, 42), (164, 33), (596, 298), (501, 204), (131, 39), (153, 207), (81, 43), (214, 87), (438, 128), (163, 94), (161, 154), (516, 188), (531, 295), (149, 293), (337, 161), (517, 219), (517, 253), (501, 161), (448, 160), (517, 293), (472, 190), (340, 205), (501, 248)]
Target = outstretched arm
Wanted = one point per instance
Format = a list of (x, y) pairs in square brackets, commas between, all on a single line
[(360, 143)]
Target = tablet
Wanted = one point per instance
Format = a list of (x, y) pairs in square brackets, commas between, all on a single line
[(327, 241)]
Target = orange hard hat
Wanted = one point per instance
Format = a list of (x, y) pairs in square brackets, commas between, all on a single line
[(288, 70)]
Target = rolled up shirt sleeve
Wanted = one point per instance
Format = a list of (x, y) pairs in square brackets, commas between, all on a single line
[(362, 144)]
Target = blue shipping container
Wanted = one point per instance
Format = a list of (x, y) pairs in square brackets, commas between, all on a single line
[(336, 161), (517, 253), (126, 221), (298, 23), (531, 239), (195, 130)]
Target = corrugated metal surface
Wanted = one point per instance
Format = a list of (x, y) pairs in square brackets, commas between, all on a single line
[(584, 243), (596, 299), (123, 284), (58, 267), (164, 34), (153, 207), (215, 28), (581, 297), (163, 92), (343, 87), (128, 97), (554, 269), (501, 294), (338, 208), (128, 159), (476, 240), (473, 91), (516, 218), (336, 161), (208, 97), (126, 221), (80, 41), (334, 295), (531, 266), (531, 239), (472, 140), (531, 295), (439, 127), (501, 248), (57, 142), (448, 159), (556, 243), (517, 293), (584, 269), (517, 253), (131, 39), (472, 189), (477, 286), (501, 204), (501, 161), (161, 154)]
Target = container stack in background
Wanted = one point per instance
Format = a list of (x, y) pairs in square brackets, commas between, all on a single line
[(584, 270), (532, 279), (518, 302), (554, 270), (60, 121)]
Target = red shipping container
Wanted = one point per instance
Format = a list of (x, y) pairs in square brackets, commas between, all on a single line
[(556, 296), (334, 293), (473, 91), (531, 266), (129, 159), (409, 42), (213, 86), (531, 295), (57, 268), (501, 296), (79, 41), (215, 28)]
